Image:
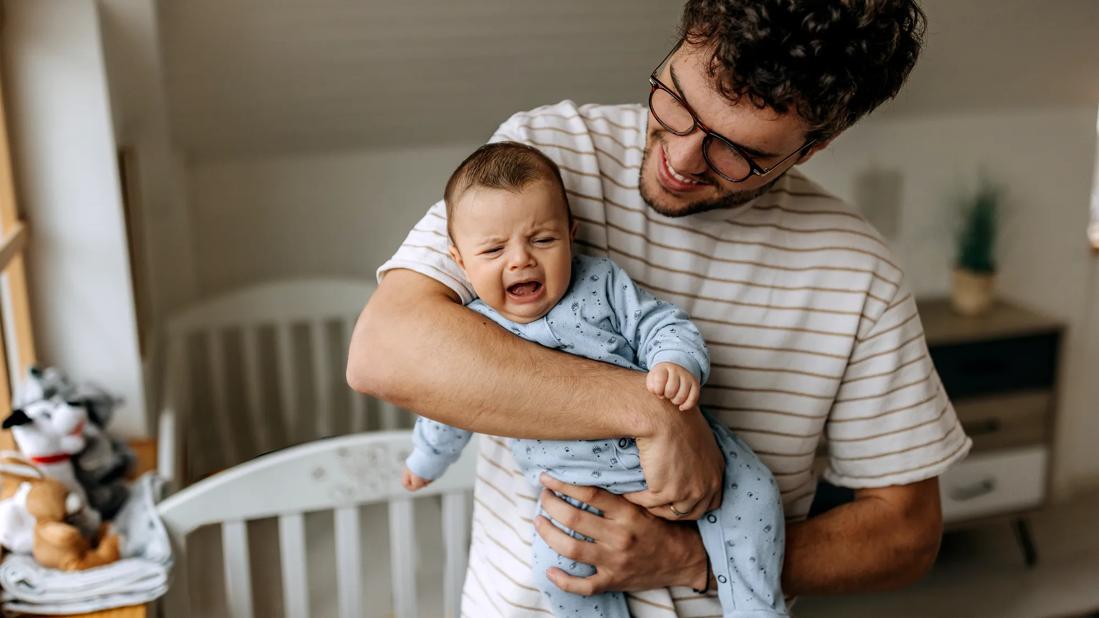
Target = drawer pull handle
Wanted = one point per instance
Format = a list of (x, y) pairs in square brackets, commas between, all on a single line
[(982, 428), (976, 490)]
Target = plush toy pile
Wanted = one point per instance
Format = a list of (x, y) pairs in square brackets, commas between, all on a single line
[(57, 495), (67, 479)]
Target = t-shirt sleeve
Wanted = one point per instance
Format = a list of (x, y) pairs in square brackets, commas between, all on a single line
[(426, 248), (891, 422)]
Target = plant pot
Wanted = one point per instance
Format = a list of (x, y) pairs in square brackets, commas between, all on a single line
[(973, 292)]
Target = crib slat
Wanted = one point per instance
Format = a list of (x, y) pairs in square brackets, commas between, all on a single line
[(215, 348), (321, 375), (288, 379), (174, 433), (177, 601), (349, 580), (260, 425), (456, 546), (359, 421), (390, 416), (295, 577), (402, 551), (238, 576)]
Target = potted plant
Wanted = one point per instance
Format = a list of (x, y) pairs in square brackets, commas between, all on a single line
[(975, 270)]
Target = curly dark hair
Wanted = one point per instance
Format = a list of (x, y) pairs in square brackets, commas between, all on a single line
[(833, 61)]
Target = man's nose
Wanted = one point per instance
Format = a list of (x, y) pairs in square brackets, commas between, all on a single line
[(685, 152)]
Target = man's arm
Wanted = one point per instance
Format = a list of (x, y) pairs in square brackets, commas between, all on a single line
[(417, 346), (886, 538)]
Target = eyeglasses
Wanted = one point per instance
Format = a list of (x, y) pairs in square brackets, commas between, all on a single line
[(724, 156)]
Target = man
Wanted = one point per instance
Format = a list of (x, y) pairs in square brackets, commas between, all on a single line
[(813, 334)]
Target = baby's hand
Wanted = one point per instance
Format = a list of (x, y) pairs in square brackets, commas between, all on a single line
[(672, 382), (412, 482)]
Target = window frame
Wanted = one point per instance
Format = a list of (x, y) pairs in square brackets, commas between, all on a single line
[(16, 328)]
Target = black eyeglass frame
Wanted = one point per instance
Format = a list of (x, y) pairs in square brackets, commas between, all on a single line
[(753, 167)]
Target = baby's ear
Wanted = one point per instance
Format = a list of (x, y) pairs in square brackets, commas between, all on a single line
[(573, 229), (456, 256)]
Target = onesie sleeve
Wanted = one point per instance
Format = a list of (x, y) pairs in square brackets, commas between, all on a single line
[(435, 447), (659, 331)]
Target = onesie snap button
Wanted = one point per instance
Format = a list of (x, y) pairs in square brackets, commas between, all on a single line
[(721, 579), (711, 518), (623, 443)]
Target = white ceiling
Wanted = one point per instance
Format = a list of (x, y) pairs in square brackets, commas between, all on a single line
[(267, 76)]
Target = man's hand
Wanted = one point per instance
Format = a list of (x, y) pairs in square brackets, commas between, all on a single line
[(683, 467), (633, 550), (674, 383)]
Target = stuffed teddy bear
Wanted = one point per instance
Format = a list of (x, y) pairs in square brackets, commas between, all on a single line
[(59, 545), (32, 520)]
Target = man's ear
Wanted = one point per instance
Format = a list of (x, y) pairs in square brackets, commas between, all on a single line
[(814, 149), (456, 256)]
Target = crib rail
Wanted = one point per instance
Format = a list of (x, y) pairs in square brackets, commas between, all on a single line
[(337, 475)]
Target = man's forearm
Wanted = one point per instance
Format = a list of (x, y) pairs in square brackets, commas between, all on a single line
[(885, 539), (415, 345)]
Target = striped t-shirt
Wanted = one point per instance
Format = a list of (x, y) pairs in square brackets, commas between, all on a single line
[(812, 331)]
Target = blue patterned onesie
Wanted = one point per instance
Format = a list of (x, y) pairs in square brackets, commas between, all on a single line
[(606, 317)]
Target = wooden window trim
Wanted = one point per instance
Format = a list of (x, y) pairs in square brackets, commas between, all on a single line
[(14, 291)]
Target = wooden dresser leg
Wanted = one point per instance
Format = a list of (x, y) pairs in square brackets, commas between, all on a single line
[(1026, 542)]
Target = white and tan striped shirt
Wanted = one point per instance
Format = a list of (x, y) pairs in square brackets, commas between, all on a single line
[(812, 332)]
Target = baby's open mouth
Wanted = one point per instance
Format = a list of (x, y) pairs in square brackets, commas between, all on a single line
[(526, 288)]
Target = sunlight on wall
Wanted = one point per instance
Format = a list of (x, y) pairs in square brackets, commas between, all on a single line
[(1093, 228)]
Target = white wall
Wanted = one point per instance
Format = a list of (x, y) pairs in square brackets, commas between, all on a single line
[(64, 159), (131, 45), (296, 215), (1045, 158)]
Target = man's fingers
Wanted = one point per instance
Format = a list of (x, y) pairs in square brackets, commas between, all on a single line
[(601, 499), (587, 524), (648, 499), (586, 586), (563, 543), (715, 502)]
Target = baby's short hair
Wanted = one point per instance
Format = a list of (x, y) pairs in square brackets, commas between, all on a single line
[(501, 165)]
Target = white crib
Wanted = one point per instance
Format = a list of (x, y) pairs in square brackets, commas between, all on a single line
[(339, 475), (260, 369)]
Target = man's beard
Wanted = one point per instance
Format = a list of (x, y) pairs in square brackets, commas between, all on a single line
[(728, 200)]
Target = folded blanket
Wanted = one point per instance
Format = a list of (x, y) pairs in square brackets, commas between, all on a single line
[(140, 576)]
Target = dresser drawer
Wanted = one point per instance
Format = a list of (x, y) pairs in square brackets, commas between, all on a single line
[(977, 368), (993, 483), (1005, 421)]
